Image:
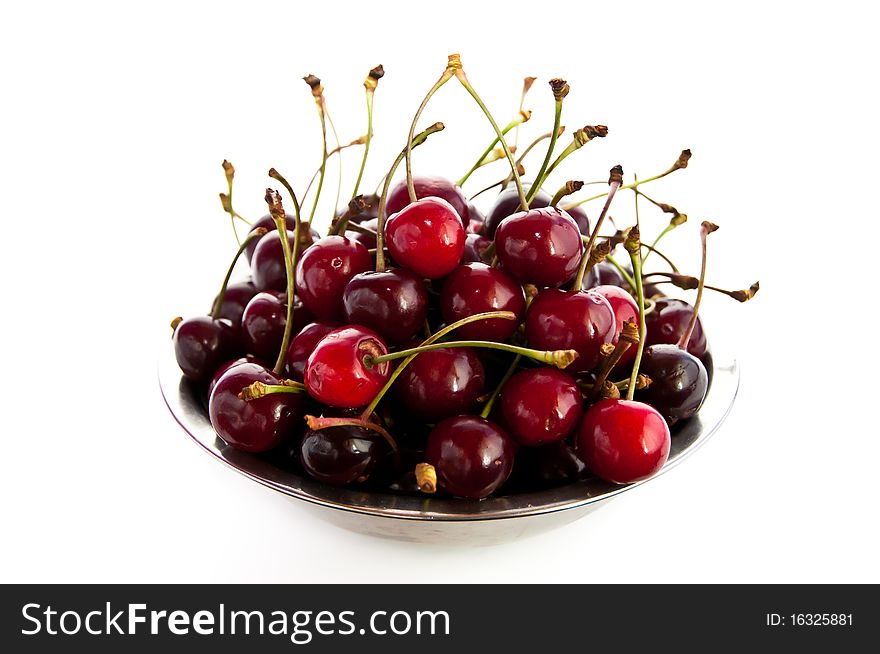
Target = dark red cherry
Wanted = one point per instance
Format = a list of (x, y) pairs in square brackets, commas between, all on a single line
[(546, 466), (426, 237), (668, 322), (475, 246), (472, 456), (201, 344), (253, 425), (625, 308), (267, 223), (604, 274), (235, 299), (393, 303), (263, 321), (335, 372), (539, 246), (301, 347), (476, 219), (267, 264), (427, 186), (323, 272), (440, 383), (342, 455), (369, 212), (232, 364), (507, 203), (582, 321), (541, 406), (580, 217), (474, 288), (367, 240), (623, 441), (679, 382)]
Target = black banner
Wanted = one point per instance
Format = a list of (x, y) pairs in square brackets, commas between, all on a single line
[(430, 618)]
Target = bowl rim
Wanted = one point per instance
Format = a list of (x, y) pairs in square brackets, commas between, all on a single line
[(188, 410)]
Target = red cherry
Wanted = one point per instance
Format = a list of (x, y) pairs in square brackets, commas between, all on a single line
[(440, 383), (581, 321), (428, 186), (540, 246), (335, 373), (472, 456), (235, 299), (507, 203), (580, 217), (625, 308), (474, 288), (426, 237), (267, 223), (323, 272), (667, 323), (263, 321), (475, 246), (541, 406), (623, 441), (201, 344), (393, 303), (302, 345)]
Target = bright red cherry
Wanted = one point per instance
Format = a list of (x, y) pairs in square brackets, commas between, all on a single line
[(426, 237), (625, 308), (581, 320), (335, 372), (427, 186), (474, 288), (393, 303), (541, 406), (507, 203), (253, 425), (201, 344), (623, 441), (323, 272), (301, 347), (472, 456), (540, 246), (440, 383), (679, 382)]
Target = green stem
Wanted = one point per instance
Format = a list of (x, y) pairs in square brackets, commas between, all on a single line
[(487, 409), (218, 303), (622, 271), (559, 358), (323, 169), (623, 188), (258, 389), (582, 270), (339, 158), (276, 209), (706, 229), (357, 184), (653, 248), (542, 171), (636, 258), (488, 151), (445, 77)]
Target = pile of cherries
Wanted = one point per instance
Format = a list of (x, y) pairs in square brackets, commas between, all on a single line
[(423, 347)]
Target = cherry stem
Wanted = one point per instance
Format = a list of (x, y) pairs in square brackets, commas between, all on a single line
[(259, 232), (653, 248), (633, 246), (318, 94), (503, 315), (426, 478), (380, 220), (527, 84), (317, 424), (614, 182), (462, 77), (581, 138), (276, 209), (571, 186), (706, 228), (370, 84), (226, 199), (516, 122), (504, 182), (487, 408), (445, 77), (559, 358), (623, 273), (560, 90), (629, 336), (358, 141), (258, 389)]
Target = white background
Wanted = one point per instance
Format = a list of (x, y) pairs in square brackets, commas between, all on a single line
[(114, 120)]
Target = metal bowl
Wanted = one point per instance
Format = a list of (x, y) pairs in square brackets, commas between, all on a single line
[(438, 519)]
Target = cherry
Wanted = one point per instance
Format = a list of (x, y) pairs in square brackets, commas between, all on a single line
[(323, 272), (367, 240), (474, 288), (625, 308), (263, 321), (604, 274), (546, 466), (426, 237), (541, 405), (476, 219), (268, 223), (253, 425), (232, 364), (267, 264), (393, 303), (471, 456), (235, 299), (580, 217), (679, 382), (342, 455), (667, 323), (623, 441), (581, 320), (427, 186), (202, 343), (508, 203), (440, 383), (336, 374), (302, 345), (540, 246), (475, 246)]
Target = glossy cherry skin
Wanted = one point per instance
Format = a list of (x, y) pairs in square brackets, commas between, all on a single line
[(472, 456), (546, 466), (507, 204), (582, 321), (393, 303), (254, 425), (474, 288), (580, 217), (669, 321), (541, 406), (440, 383), (623, 441), (428, 186), (625, 308), (267, 223), (342, 455), (335, 372), (232, 364), (604, 274), (263, 322), (202, 344), (235, 299), (540, 246), (301, 347), (324, 271), (475, 246), (426, 237), (679, 382), (267, 265)]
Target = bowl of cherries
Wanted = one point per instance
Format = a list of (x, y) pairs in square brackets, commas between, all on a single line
[(430, 372)]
